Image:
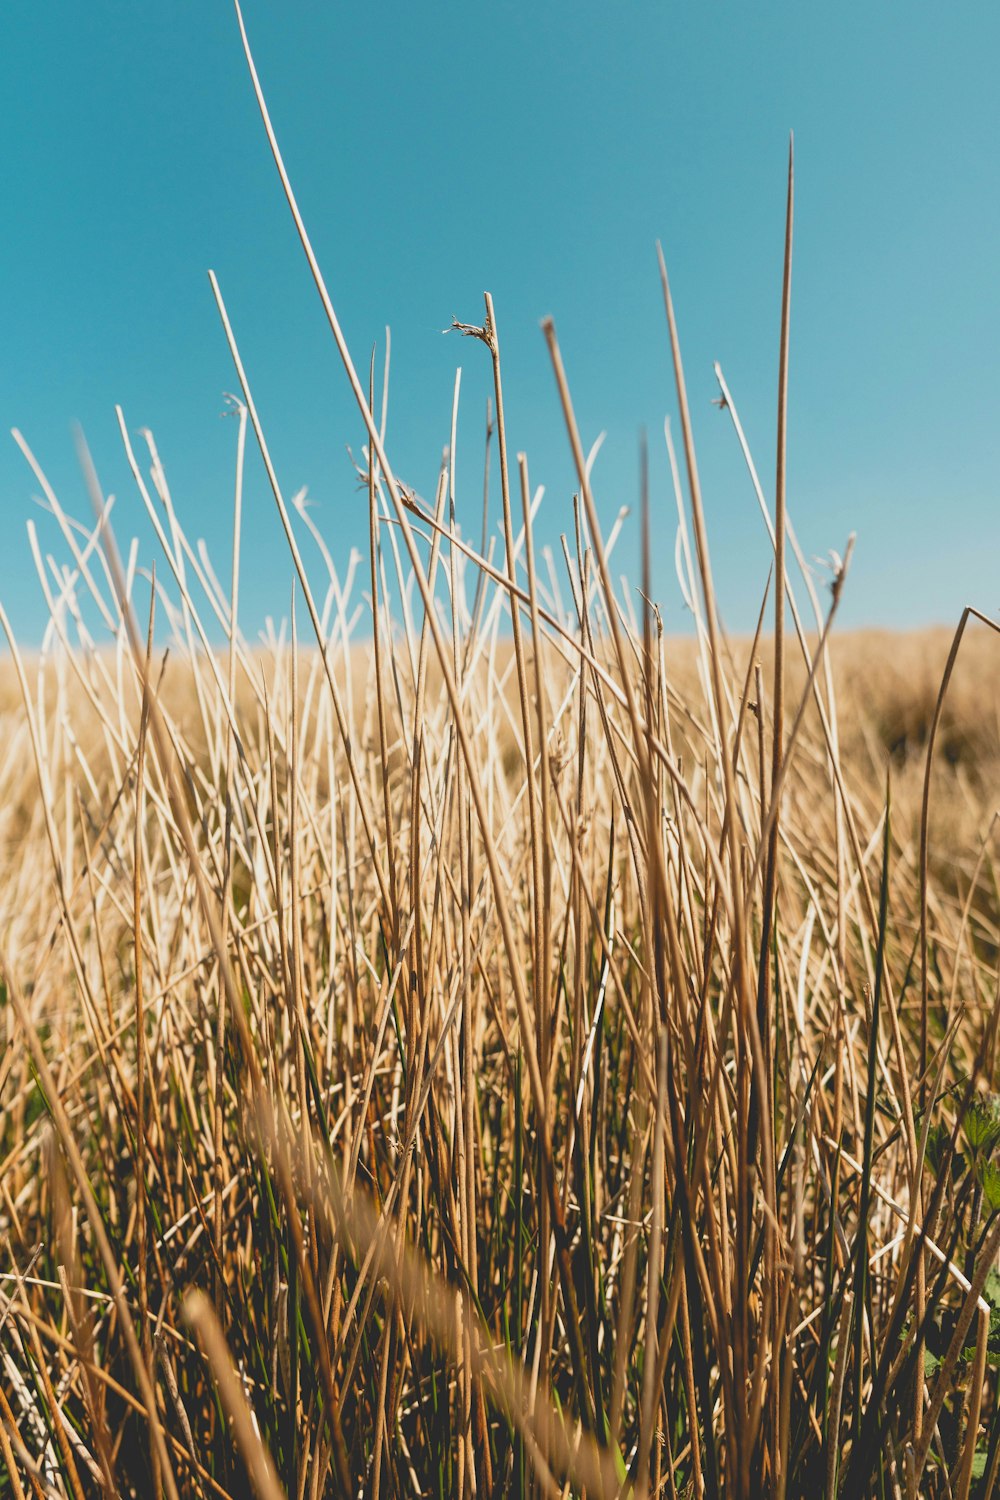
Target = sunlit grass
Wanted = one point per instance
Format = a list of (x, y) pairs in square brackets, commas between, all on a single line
[(493, 1047)]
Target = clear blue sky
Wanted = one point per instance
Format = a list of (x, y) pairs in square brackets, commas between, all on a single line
[(537, 151)]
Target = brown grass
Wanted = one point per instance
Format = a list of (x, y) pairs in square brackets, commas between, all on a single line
[(442, 1064)]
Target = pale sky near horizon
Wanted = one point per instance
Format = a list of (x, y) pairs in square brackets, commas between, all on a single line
[(537, 151)]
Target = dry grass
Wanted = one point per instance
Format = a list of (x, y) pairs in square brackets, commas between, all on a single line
[(470, 1061)]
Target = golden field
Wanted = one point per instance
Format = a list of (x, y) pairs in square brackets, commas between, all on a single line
[(504, 1051), (469, 1035)]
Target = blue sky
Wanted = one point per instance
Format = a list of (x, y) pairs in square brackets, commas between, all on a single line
[(537, 151)]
